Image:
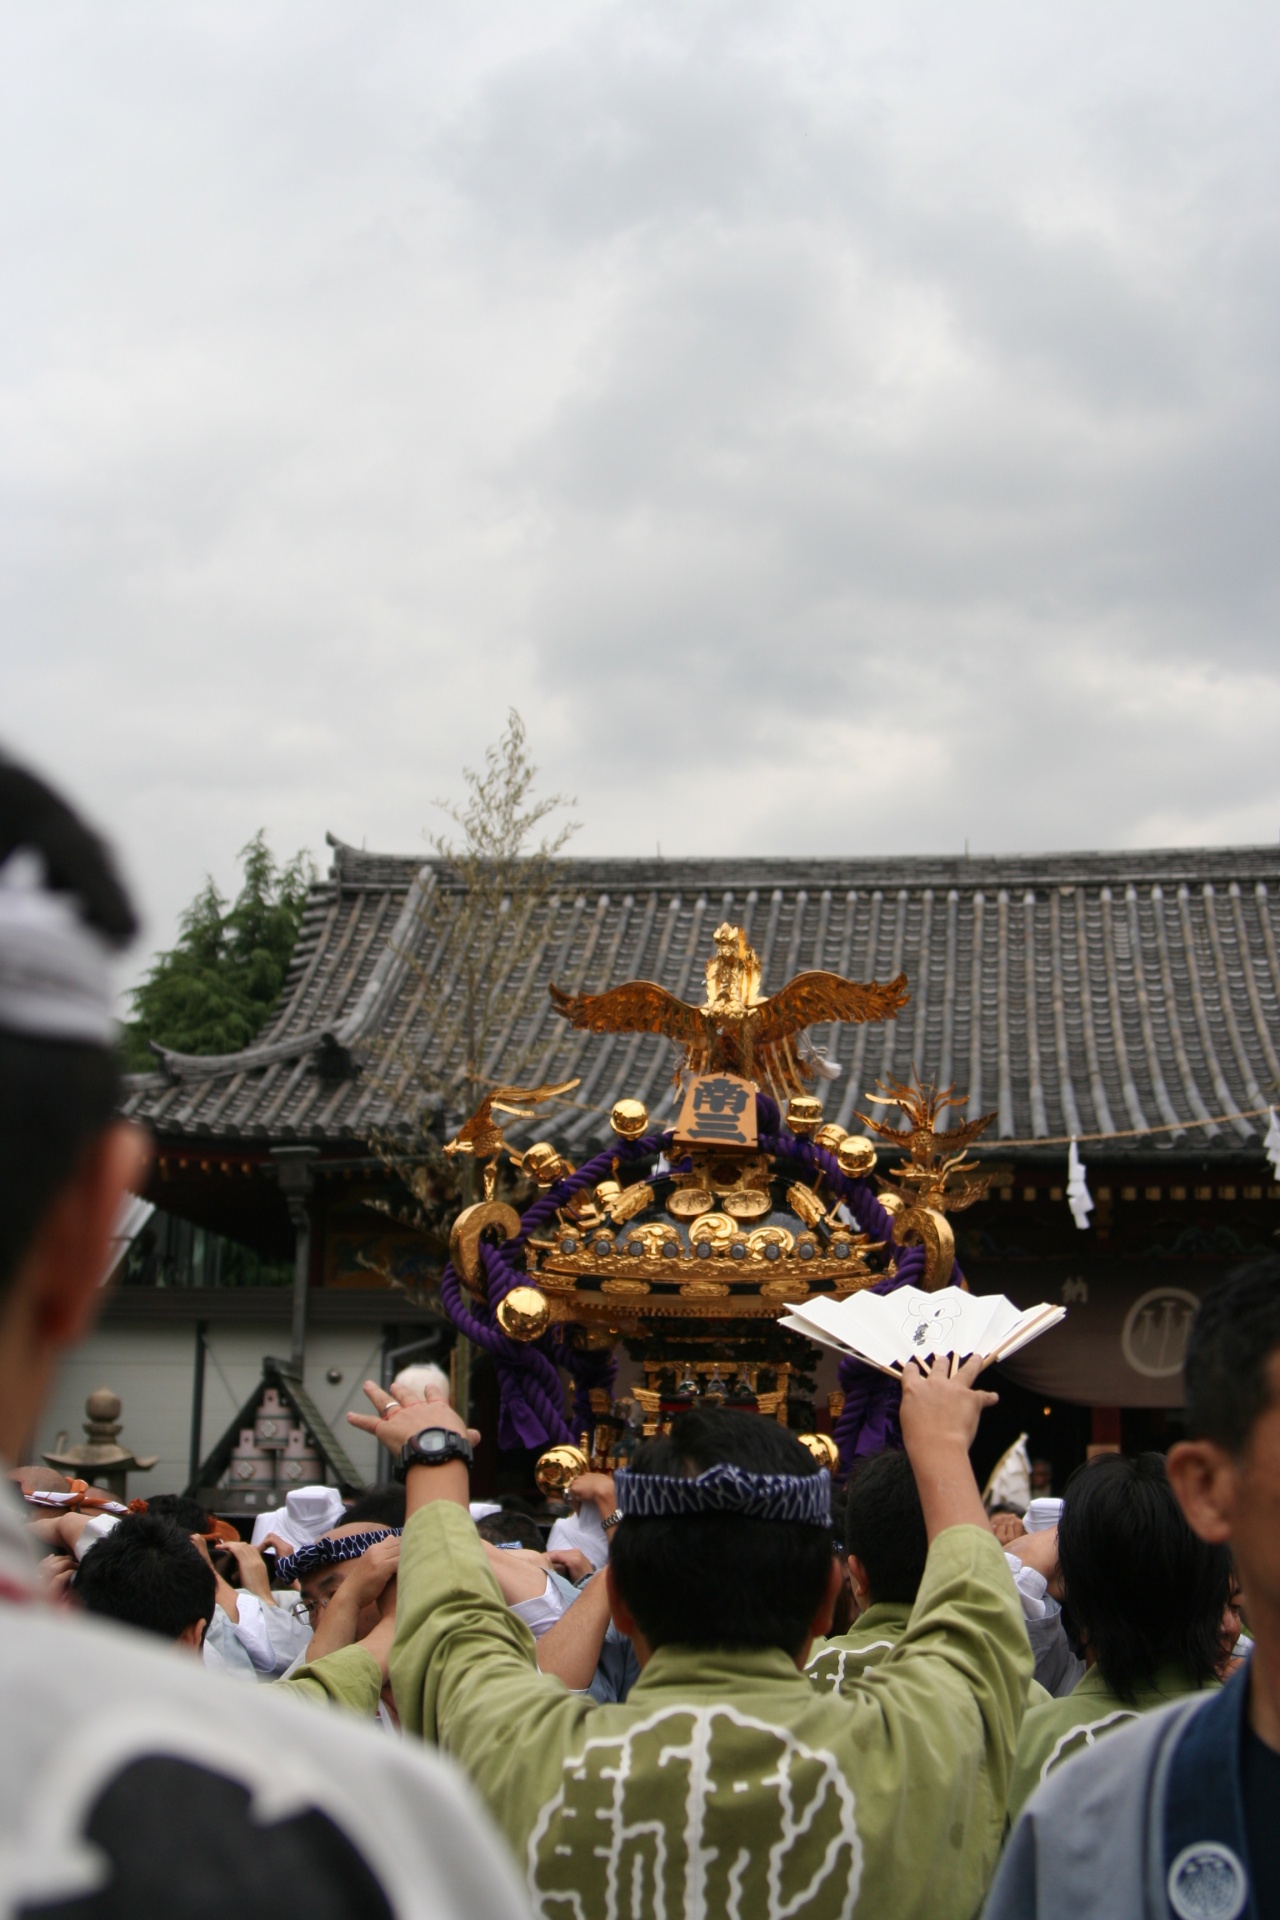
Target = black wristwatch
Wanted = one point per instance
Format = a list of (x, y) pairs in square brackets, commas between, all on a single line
[(432, 1448)]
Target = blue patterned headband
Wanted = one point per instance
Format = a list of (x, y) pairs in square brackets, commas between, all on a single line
[(804, 1498), (329, 1553)]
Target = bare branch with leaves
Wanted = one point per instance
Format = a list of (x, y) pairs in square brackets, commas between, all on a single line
[(474, 952)]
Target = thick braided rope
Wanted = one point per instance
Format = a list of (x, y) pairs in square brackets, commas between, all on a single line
[(531, 1412), (529, 1384)]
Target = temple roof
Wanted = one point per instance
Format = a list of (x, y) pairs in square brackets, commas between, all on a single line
[(1080, 994)]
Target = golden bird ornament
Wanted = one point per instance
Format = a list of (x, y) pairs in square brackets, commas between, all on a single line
[(737, 1029), (481, 1137)]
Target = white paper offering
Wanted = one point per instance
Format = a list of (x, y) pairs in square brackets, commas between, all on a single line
[(888, 1330)]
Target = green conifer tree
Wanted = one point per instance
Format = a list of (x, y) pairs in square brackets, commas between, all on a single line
[(213, 990)]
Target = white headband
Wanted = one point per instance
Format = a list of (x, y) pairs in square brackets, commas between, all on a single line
[(55, 972)]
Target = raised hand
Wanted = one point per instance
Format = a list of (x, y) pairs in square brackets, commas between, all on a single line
[(402, 1413), (941, 1408), (940, 1404)]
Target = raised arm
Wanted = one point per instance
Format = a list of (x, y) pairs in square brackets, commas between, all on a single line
[(463, 1665), (571, 1649)]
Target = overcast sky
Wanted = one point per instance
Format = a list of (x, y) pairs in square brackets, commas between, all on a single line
[(837, 429)]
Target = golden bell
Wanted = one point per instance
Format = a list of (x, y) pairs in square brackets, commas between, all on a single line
[(544, 1163), (856, 1155), (629, 1119), (523, 1314), (804, 1114), (830, 1136), (823, 1448), (558, 1468)]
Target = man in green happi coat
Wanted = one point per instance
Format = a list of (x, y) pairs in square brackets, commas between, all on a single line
[(725, 1784), (887, 1552), (1148, 1601)]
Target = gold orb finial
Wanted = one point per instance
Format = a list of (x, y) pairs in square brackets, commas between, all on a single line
[(823, 1448), (558, 1468), (830, 1136), (857, 1156), (804, 1114), (523, 1314), (629, 1119)]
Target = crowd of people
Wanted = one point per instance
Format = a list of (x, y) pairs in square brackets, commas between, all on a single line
[(721, 1687)]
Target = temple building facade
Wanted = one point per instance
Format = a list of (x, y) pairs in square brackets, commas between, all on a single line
[(1129, 1001)]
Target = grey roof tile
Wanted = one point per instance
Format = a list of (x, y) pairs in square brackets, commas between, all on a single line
[(1071, 993)]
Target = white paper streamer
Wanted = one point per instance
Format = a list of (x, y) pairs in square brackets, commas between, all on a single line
[(1079, 1199)]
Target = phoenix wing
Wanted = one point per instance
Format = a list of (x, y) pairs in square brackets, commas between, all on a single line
[(638, 1006), (813, 998), (517, 1099)]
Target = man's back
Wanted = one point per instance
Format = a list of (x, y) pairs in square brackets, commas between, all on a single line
[(727, 1781), (846, 1656), (1055, 1732)]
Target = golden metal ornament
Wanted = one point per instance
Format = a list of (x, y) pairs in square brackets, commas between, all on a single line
[(935, 1179), (557, 1470), (717, 1229), (544, 1164), (830, 1136), (480, 1137), (524, 1314), (805, 1204), (857, 1156), (927, 1228), (804, 1115), (629, 1119), (629, 1202), (788, 1287), (737, 1029), (823, 1448), (686, 1203), (766, 1237), (746, 1204), (464, 1239)]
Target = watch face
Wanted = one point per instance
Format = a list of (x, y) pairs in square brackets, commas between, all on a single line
[(434, 1440)]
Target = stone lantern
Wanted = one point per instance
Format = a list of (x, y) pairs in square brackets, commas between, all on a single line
[(100, 1459)]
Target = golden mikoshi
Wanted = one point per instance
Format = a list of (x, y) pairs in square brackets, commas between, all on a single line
[(697, 1254)]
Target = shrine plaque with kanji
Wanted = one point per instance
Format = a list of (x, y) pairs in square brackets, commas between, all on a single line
[(719, 1110)]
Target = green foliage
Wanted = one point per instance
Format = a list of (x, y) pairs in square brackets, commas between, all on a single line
[(213, 991)]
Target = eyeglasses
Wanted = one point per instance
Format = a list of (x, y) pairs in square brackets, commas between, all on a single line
[(309, 1610)]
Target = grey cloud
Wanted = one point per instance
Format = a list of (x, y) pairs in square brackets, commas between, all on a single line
[(835, 432)]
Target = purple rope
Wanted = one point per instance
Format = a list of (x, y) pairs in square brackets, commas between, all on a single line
[(531, 1410), (590, 1368)]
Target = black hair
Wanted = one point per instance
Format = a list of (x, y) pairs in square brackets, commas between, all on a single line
[(55, 1095), (504, 1529), (884, 1526), (147, 1573), (1233, 1336), (185, 1513), (1142, 1590), (722, 1579), (382, 1506)]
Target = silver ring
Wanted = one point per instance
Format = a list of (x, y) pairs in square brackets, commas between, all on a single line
[(389, 1409)]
